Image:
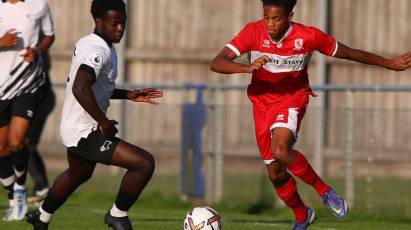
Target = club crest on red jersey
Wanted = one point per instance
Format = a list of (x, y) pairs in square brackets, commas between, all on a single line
[(298, 44)]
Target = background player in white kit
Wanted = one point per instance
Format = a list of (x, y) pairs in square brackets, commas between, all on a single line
[(21, 85), (86, 131)]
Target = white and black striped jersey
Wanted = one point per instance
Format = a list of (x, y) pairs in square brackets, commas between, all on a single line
[(27, 18), (94, 52)]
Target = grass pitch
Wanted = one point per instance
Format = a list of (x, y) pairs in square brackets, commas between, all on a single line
[(248, 204)]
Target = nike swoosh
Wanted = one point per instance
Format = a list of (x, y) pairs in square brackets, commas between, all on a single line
[(338, 211)]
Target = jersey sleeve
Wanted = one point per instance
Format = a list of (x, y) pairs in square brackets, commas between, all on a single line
[(242, 43), (96, 58), (324, 43), (47, 26)]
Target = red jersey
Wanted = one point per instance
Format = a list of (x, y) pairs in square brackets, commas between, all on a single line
[(286, 72)]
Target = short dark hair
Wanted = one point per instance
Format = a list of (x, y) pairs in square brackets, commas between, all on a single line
[(99, 8), (286, 4)]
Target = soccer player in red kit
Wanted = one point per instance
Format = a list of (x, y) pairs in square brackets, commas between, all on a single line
[(280, 52)]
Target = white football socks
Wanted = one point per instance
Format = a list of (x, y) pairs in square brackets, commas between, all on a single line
[(114, 211), (44, 216)]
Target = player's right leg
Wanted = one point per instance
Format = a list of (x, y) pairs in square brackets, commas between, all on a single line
[(278, 119), (286, 189), (6, 172), (79, 171), (6, 163), (140, 167), (22, 111)]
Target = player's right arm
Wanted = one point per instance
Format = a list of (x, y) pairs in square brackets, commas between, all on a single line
[(400, 63), (9, 39), (83, 93), (240, 44), (224, 63)]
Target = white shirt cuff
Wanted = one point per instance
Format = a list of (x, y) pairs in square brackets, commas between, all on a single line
[(235, 50)]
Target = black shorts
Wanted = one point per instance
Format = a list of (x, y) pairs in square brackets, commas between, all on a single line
[(44, 108), (21, 106), (95, 148)]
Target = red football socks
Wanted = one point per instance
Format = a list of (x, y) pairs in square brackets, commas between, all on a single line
[(303, 170), (288, 193)]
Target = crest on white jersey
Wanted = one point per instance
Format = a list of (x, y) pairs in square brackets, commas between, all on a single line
[(299, 44)]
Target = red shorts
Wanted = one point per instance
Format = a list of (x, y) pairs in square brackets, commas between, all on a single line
[(287, 113)]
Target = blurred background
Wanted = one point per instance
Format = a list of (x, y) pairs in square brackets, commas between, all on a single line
[(357, 133)]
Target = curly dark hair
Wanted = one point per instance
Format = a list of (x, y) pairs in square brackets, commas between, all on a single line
[(286, 4), (99, 8)]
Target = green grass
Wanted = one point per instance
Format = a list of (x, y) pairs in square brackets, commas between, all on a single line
[(247, 204)]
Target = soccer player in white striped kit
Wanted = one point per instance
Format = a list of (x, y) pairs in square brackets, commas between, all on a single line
[(85, 129), (21, 81)]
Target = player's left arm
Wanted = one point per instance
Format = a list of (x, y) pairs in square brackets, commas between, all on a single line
[(400, 63), (33, 53), (47, 29), (138, 95), (45, 44)]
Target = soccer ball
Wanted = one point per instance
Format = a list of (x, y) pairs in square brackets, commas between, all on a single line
[(202, 218)]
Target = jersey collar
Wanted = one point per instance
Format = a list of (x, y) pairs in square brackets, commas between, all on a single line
[(279, 43), (108, 43)]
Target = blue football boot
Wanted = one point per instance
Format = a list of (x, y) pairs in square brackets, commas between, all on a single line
[(308, 220), (335, 203)]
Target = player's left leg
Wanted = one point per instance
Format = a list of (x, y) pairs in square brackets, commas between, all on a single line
[(284, 134), (301, 168), (36, 167), (37, 171), (296, 163), (140, 167), (19, 153)]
